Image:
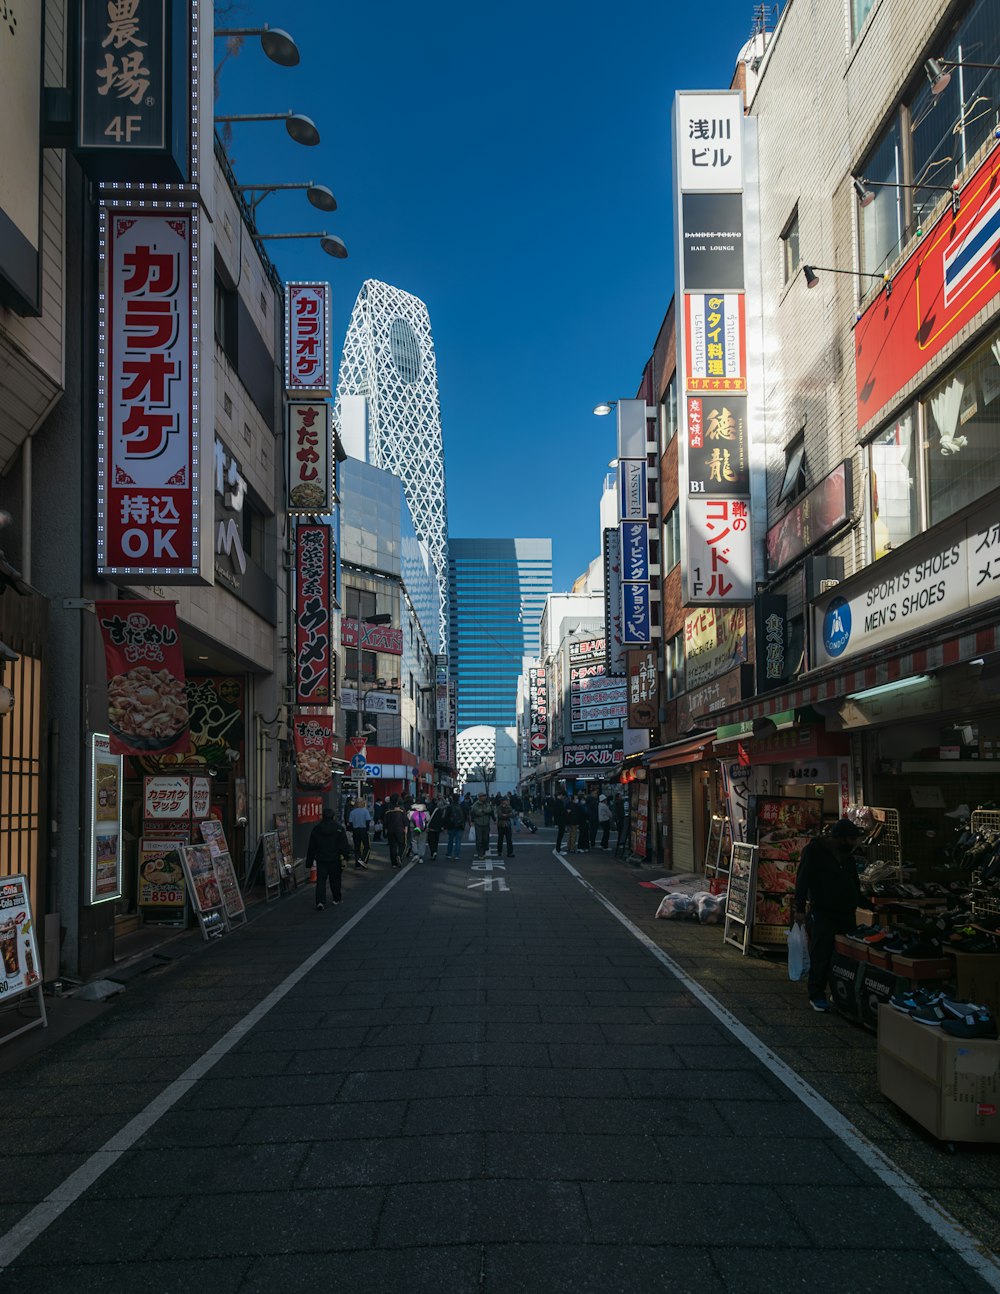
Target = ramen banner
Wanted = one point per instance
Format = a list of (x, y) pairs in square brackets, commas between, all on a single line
[(147, 703), (313, 735)]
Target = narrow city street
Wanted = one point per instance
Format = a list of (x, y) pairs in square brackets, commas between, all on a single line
[(466, 1077)]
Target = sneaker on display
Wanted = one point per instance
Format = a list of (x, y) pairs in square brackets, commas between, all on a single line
[(976, 1024)]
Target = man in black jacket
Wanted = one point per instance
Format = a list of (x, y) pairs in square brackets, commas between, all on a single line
[(327, 846), (828, 880)]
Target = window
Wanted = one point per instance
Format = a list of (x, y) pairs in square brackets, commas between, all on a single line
[(895, 496), (671, 539), (674, 660), (225, 320), (790, 245), (668, 414), (931, 138), (860, 9), (794, 480)]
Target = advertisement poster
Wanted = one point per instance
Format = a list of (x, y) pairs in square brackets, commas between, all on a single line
[(144, 663), (307, 338), (639, 821), (284, 840), (313, 737), (718, 445), (740, 900), (823, 511), (715, 342), (201, 798), (229, 888), (105, 821), (309, 443), (715, 641), (315, 585), (160, 893), (167, 799), (784, 828), (20, 968)]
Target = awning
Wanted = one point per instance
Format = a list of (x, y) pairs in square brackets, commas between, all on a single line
[(835, 683), (690, 750)]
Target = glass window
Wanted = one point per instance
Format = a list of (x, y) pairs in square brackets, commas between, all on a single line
[(895, 494), (860, 9), (794, 480), (671, 539), (962, 433), (882, 221), (668, 414), (790, 245), (674, 659)]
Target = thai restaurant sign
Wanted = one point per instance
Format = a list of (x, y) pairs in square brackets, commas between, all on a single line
[(714, 458), (307, 338), (953, 273), (149, 459), (315, 579), (309, 457)]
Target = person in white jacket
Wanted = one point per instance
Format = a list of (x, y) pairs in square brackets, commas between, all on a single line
[(603, 819)]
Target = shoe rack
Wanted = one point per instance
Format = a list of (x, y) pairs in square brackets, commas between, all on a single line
[(985, 900), (884, 844)]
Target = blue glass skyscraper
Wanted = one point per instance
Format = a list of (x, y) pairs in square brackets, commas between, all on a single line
[(497, 591)]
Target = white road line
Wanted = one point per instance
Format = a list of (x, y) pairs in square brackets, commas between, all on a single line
[(978, 1257), (33, 1224)]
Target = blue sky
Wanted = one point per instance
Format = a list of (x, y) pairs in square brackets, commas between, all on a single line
[(510, 166)]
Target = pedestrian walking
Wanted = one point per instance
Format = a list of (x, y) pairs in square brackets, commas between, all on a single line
[(395, 824), (827, 880), (436, 823), (417, 839), (618, 818), (585, 839), (360, 821), (548, 809), (573, 816), (328, 844), (505, 819), (559, 810), (456, 819), (603, 820), (482, 816)]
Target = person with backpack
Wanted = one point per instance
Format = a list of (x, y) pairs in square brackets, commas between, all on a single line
[(328, 844), (395, 824), (435, 825), (456, 820), (505, 818)]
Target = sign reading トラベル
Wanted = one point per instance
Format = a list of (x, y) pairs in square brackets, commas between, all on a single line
[(309, 474), (597, 701), (148, 453), (718, 445), (592, 754), (715, 342), (315, 569), (144, 663), (307, 338)]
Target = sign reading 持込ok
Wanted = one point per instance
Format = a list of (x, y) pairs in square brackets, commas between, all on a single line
[(307, 338), (309, 457), (314, 596), (147, 701), (148, 457)]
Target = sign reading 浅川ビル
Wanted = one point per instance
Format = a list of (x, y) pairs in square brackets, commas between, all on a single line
[(309, 446), (144, 662), (307, 338), (315, 571), (708, 141), (148, 461)]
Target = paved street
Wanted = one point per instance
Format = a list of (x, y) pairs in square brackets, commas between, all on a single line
[(487, 1083)]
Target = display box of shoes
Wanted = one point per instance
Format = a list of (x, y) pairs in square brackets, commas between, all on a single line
[(950, 1085), (852, 948), (916, 969), (978, 978)]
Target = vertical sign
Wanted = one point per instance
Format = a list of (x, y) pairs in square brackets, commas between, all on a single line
[(309, 474), (144, 664), (714, 459), (307, 338), (105, 821), (538, 712), (613, 603), (21, 75), (148, 462), (314, 600), (642, 688)]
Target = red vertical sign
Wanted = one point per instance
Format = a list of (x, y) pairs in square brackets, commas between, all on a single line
[(315, 570)]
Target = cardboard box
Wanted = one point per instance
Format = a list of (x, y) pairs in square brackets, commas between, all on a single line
[(950, 1086), (876, 985), (879, 958), (978, 979), (844, 975), (850, 948), (922, 968)]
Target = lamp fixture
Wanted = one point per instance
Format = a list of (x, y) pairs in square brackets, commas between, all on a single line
[(276, 44), (300, 128), (939, 75), (604, 408), (318, 194), (812, 278), (887, 689), (330, 243), (863, 188)]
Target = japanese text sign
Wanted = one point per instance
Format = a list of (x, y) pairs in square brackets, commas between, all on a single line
[(307, 338), (613, 600), (636, 622), (309, 461), (315, 564), (313, 738), (715, 342), (718, 445), (144, 662), (714, 641), (592, 755), (632, 502), (709, 140), (642, 688), (635, 552), (538, 709), (19, 965), (122, 74), (148, 476), (167, 798), (373, 637), (719, 558)]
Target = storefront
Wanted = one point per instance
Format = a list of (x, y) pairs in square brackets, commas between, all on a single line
[(681, 797)]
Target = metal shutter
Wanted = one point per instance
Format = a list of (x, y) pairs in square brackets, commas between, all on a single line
[(681, 821)]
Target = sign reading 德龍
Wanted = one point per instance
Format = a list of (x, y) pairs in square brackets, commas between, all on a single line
[(148, 462), (307, 338), (315, 566)]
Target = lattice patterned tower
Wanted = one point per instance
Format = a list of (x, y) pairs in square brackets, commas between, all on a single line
[(389, 358)]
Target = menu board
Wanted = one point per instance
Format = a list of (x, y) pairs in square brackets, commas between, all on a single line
[(640, 820), (284, 840), (160, 892), (271, 846), (785, 825), (225, 874), (19, 963), (105, 821), (206, 898), (740, 900)]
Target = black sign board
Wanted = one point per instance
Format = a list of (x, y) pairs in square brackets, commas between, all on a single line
[(133, 92), (773, 654), (718, 444), (740, 901), (712, 236)]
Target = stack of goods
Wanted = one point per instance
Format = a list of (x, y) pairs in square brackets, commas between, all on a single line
[(938, 1011), (709, 909)]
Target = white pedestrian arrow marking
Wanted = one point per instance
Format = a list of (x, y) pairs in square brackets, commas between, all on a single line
[(489, 883)]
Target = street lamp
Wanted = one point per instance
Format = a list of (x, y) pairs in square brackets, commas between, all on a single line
[(300, 128), (330, 243), (276, 44), (318, 194)]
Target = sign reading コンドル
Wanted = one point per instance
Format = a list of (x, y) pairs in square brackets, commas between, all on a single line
[(149, 459)]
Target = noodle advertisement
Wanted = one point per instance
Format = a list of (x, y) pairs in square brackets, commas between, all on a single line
[(313, 736), (19, 965), (161, 893), (147, 703)]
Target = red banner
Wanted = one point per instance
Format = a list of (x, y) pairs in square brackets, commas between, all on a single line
[(313, 740), (147, 702), (315, 569), (373, 637), (953, 273)]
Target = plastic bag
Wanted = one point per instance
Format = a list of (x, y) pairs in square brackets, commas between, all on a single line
[(798, 953), (711, 908), (472, 835), (675, 905)]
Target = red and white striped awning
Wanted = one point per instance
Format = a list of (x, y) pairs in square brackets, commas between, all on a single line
[(868, 672)]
